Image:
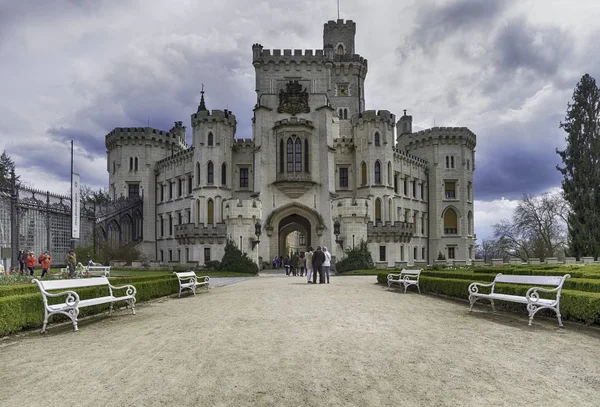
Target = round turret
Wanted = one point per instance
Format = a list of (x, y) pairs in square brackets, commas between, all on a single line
[(340, 35)]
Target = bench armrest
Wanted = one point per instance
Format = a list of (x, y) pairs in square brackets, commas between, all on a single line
[(203, 279), (129, 289), (474, 287), (391, 277), (532, 294), (72, 296)]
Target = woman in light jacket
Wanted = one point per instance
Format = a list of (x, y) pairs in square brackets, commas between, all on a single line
[(326, 264)]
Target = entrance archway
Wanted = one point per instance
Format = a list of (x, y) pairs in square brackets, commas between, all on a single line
[(286, 228)]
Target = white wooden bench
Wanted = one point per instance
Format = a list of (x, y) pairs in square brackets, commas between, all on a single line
[(101, 270), (71, 305), (532, 297), (188, 280), (405, 278)]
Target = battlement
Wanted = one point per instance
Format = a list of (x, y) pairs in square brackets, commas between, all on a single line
[(373, 115), (276, 56), (293, 121), (142, 133), (402, 230), (340, 25), (444, 133), (246, 208), (357, 208), (185, 155), (240, 144), (343, 142), (398, 153), (224, 116)]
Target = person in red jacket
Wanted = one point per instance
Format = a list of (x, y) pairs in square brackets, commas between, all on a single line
[(46, 262), (30, 263)]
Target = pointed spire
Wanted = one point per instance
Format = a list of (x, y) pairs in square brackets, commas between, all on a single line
[(202, 105)]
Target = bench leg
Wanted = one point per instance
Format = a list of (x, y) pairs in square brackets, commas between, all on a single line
[(73, 314), (45, 321), (110, 310), (493, 307), (472, 301), (132, 303), (418, 289)]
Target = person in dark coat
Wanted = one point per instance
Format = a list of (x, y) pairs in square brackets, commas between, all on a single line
[(317, 261)]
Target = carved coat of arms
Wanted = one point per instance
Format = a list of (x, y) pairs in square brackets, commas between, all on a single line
[(293, 99)]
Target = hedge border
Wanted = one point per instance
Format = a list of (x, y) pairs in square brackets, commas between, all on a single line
[(20, 312)]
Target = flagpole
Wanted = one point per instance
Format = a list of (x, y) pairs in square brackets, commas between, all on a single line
[(72, 240)]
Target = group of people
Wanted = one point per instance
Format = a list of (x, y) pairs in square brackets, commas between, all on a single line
[(27, 259), (313, 262)]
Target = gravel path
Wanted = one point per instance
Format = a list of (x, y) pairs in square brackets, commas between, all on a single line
[(277, 341)]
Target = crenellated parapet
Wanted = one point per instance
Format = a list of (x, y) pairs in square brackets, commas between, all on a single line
[(262, 56), (333, 25), (243, 144), (447, 135), (343, 142), (242, 208), (350, 207), (372, 116), (185, 156), (216, 116), (141, 134), (390, 231), (401, 155)]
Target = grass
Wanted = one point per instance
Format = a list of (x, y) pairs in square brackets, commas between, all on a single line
[(142, 273)]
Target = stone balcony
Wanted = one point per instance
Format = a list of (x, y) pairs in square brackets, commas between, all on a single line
[(294, 184), (390, 231), (190, 233)]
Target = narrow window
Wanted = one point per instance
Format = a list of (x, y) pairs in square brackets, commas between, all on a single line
[(447, 162), (210, 175), (290, 155), (198, 173), (343, 177), (130, 163), (405, 186), (389, 173), (468, 164), (179, 218), (162, 226), (451, 252), (135, 165), (378, 210), (210, 138), (162, 193), (206, 254), (345, 113), (377, 172), (162, 256), (187, 254), (298, 155), (341, 113), (415, 253), (452, 161), (305, 155), (210, 211), (190, 185), (114, 167), (170, 224), (281, 156), (170, 255), (396, 184), (414, 189), (180, 187), (224, 174), (377, 139), (423, 253), (422, 195), (363, 173), (170, 190), (382, 253), (243, 177)]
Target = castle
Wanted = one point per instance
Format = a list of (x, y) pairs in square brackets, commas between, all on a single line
[(320, 170)]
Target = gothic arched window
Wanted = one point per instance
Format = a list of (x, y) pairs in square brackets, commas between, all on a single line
[(389, 174), (450, 222), (210, 138), (290, 155), (198, 173), (210, 173), (363, 173), (210, 212), (447, 162), (345, 113), (224, 174), (378, 210), (377, 139), (377, 172), (340, 49), (298, 155)]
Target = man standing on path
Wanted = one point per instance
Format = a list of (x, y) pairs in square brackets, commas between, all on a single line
[(317, 261), (309, 266), (326, 264), (71, 261)]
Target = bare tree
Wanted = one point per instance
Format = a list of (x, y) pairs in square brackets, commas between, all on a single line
[(537, 227), (489, 249)]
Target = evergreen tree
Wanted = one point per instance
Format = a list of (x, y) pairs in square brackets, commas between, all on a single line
[(581, 171), (236, 261), (7, 165)]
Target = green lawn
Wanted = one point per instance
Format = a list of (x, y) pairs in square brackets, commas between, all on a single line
[(141, 273)]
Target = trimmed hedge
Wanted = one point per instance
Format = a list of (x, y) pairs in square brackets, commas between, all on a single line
[(575, 305), (19, 312)]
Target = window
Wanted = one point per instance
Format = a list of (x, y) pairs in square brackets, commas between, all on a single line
[(470, 223), (377, 139), (162, 193), (305, 155), (451, 252), (389, 173), (405, 181), (206, 254), (469, 191), (395, 183), (345, 113), (415, 253), (134, 190), (187, 254), (298, 154), (452, 161), (468, 164), (198, 174), (343, 177), (210, 173), (340, 49), (401, 253), (190, 184), (130, 163), (162, 226), (210, 138), (135, 164), (450, 190), (114, 167), (179, 218), (179, 255), (341, 113), (179, 187), (382, 253), (422, 191), (377, 172), (414, 188), (210, 211), (162, 256), (447, 162), (170, 190), (450, 222), (281, 156), (243, 177), (423, 224), (423, 253), (363, 173), (290, 155), (223, 174), (170, 224), (302, 239), (378, 210), (170, 255)]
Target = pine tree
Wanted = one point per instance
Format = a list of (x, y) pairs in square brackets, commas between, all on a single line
[(236, 261), (581, 171), (7, 165)]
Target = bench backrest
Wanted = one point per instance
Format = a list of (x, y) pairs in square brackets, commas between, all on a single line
[(411, 272), (98, 267), (185, 274), (70, 283), (555, 281)]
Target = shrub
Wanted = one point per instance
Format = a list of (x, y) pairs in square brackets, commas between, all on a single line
[(441, 256), (236, 261), (212, 265), (357, 258)]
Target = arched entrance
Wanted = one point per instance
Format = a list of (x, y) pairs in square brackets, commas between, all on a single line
[(294, 234)]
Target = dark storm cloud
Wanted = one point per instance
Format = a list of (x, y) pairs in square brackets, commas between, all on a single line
[(436, 24), (91, 143)]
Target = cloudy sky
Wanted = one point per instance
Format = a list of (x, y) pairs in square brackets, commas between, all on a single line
[(75, 69)]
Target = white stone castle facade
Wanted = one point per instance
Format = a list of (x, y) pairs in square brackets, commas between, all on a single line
[(316, 157)]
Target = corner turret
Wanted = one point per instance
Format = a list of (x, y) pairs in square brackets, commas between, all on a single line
[(340, 35)]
